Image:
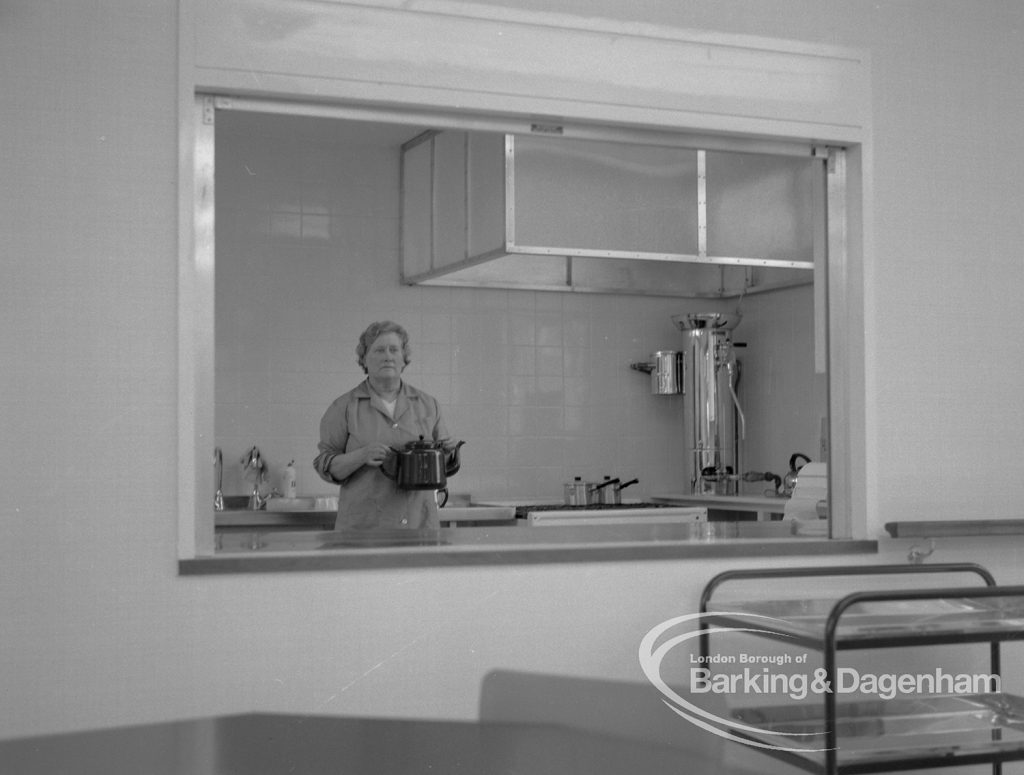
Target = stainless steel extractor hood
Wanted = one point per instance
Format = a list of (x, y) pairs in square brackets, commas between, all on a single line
[(551, 213)]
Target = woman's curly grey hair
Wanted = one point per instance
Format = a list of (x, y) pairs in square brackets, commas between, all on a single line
[(373, 331)]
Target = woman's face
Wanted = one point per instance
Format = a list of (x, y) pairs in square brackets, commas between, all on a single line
[(384, 358)]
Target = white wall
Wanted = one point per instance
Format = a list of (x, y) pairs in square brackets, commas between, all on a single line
[(98, 627)]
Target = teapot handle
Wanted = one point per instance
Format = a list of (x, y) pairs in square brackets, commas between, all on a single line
[(389, 467)]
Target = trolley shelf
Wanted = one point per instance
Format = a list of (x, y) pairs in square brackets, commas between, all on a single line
[(926, 731)]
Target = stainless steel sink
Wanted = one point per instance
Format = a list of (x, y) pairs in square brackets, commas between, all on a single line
[(307, 503), (304, 503)]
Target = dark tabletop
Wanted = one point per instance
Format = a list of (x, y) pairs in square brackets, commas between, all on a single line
[(311, 745)]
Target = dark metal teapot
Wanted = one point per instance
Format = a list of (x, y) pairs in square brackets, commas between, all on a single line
[(422, 465)]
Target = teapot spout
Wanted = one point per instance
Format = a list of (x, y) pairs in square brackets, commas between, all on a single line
[(454, 461)]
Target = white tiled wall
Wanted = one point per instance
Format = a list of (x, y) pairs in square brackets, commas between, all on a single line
[(783, 399), (537, 383)]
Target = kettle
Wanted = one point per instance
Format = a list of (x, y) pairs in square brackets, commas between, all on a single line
[(422, 465), (789, 480)]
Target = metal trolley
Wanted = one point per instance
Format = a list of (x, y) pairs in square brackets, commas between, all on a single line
[(857, 736)]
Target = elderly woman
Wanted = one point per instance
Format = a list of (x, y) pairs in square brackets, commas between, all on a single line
[(359, 430)]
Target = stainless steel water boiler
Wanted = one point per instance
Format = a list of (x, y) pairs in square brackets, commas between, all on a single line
[(713, 417)]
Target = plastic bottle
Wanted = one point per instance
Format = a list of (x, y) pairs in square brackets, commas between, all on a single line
[(289, 480)]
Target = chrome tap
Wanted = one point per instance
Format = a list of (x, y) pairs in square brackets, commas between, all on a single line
[(218, 467), (254, 467), (917, 554)]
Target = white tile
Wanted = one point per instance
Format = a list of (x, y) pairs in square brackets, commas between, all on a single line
[(535, 421), (576, 362), (577, 391), (533, 451), (436, 328), (435, 359), (548, 329), (549, 362), (522, 328), (522, 361)]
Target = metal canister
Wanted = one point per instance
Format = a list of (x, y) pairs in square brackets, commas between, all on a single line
[(577, 492), (667, 372)]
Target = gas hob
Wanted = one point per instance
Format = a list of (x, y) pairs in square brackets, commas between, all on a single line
[(638, 512), (523, 510)]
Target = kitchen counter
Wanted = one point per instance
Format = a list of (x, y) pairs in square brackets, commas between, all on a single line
[(319, 519), (763, 507), (268, 550), (955, 528)]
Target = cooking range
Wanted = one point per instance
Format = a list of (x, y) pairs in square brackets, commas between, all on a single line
[(547, 513), (611, 514)]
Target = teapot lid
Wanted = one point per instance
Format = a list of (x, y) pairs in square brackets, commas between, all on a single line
[(424, 444)]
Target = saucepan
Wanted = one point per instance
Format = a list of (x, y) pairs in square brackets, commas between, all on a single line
[(603, 492), (610, 492), (607, 492)]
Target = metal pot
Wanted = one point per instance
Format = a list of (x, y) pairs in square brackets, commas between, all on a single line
[(578, 492), (620, 487), (609, 492), (605, 492), (422, 465)]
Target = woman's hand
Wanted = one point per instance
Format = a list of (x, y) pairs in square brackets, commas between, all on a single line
[(376, 453)]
